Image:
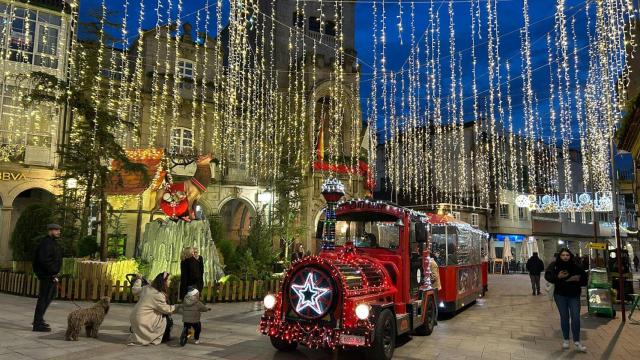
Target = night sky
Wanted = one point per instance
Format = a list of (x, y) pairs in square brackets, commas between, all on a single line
[(510, 20)]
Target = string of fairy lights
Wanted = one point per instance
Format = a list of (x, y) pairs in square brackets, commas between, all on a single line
[(268, 94)]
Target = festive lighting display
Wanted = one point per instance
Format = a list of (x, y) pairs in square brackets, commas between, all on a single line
[(311, 293)]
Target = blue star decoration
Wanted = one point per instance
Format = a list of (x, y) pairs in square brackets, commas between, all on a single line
[(309, 295)]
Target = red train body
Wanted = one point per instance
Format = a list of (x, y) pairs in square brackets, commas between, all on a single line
[(374, 285)]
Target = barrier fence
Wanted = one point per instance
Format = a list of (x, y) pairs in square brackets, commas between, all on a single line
[(93, 289)]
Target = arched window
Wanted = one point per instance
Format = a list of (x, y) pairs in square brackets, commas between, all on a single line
[(181, 140)]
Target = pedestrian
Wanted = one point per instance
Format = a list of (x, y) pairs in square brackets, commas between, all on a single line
[(200, 278), (151, 316), (191, 309), (535, 267), (189, 270), (636, 262), (298, 253), (568, 278), (46, 265)]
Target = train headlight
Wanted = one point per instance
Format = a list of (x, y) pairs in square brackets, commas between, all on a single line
[(363, 311), (269, 301)]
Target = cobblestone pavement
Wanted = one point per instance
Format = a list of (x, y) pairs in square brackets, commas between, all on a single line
[(509, 323)]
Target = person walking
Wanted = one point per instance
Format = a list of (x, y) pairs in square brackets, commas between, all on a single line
[(189, 270), (149, 319), (535, 267), (46, 265), (568, 278), (636, 262), (200, 277), (191, 309)]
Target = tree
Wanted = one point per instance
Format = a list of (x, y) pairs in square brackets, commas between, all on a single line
[(287, 226), (92, 144), (30, 228), (260, 245)]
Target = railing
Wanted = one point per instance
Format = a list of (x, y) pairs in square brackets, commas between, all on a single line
[(118, 291)]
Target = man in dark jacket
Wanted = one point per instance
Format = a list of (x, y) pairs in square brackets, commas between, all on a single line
[(535, 266), (46, 265)]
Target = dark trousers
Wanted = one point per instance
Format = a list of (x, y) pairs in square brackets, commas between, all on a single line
[(535, 283), (569, 308), (197, 327), (47, 291)]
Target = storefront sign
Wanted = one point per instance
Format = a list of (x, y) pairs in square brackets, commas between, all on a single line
[(598, 246), (566, 203), (12, 176)]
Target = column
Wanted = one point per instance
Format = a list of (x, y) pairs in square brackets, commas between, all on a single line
[(5, 235)]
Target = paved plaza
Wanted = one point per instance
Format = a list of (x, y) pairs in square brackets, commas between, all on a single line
[(508, 324)]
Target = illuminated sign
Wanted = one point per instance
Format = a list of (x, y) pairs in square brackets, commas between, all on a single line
[(12, 176), (311, 293), (566, 203)]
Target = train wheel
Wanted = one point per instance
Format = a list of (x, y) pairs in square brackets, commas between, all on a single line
[(282, 345), (384, 340), (429, 320)]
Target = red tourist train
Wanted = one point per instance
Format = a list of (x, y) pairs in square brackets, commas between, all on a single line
[(459, 249), (369, 286)]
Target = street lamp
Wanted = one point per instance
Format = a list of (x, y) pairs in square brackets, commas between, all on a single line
[(72, 183)]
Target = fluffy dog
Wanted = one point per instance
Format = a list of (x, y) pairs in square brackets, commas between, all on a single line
[(90, 318)]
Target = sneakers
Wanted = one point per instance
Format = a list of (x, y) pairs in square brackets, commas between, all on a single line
[(41, 328), (565, 344), (580, 347), (196, 342)]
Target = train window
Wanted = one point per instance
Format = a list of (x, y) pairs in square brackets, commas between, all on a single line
[(372, 234), (444, 245)]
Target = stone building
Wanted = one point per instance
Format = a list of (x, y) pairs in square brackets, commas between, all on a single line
[(34, 36), (236, 196)]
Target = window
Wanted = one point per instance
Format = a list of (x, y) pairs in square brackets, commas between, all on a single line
[(522, 214), (27, 126), (587, 218), (330, 28), (504, 211), (298, 20), (604, 217), (475, 219), (572, 216), (579, 217), (32, 36), (181, 140), (314, 24), (185, 69)]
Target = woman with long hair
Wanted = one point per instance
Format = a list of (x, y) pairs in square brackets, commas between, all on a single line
[(189, 270), (568, 278), (150, 317)]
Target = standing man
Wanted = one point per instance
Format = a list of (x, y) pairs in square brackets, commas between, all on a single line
[(535, 266), (46, 265)]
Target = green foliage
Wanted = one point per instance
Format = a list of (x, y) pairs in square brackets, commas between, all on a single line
[(260, 247), (88, 246), (249, 268), (228, 252), (144, 267), (30, 228)]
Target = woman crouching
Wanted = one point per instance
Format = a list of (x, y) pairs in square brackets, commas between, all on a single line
[(149, 317)]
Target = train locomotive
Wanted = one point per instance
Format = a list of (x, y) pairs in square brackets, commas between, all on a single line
[(369, 284)]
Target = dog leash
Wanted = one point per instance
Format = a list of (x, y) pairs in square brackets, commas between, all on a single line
[(59, 287)]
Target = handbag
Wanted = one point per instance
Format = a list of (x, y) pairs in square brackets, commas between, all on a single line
[(549, 289)]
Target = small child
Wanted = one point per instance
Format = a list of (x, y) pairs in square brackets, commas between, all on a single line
[(191, 309)]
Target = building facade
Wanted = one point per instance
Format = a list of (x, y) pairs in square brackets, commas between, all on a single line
[(235, 195), (34, 37)]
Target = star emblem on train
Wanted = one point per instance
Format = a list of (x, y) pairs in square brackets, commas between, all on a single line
[(309, 295)]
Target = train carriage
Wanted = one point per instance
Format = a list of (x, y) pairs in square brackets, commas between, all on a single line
[(457, 247)]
